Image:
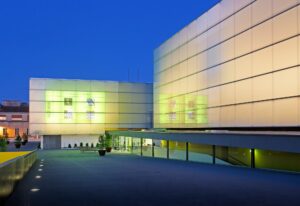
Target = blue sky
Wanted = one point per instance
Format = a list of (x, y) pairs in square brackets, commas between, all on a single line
[(85, 39)]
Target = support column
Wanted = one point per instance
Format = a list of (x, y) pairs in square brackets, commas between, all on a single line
[(214, 154), (168, 149), (187, 151), (141, 146), (153, 148), (252, 151)]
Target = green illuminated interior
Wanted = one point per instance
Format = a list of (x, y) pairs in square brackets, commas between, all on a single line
[(187, 109), (75, 107)]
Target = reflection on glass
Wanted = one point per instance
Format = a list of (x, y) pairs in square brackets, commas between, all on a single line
[(200, 153), (147, 147), (160, 148), (233, 156), (277, 160), (177, 150)]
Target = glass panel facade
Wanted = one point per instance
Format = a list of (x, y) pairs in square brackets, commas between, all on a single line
[(250, 58), (277, 160), (147, 147), (160, 148), (200, 153), (177, 150), (88, 107), (233, 156)]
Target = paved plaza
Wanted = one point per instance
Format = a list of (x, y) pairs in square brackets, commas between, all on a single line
[(69, 177)]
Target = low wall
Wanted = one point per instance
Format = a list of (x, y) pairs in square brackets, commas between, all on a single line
[(13, 171)]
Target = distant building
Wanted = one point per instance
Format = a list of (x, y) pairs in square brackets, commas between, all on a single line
[(14, 118), (64, 112)]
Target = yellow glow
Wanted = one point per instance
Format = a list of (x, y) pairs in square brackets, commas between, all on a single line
[(6, 156)]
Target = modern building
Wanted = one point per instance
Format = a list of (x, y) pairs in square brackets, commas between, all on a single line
[(226, 87), (14, 118), (67, 112), (236, 66)]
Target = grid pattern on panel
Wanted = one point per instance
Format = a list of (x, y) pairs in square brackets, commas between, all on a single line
[(245, 66), (83, 108)]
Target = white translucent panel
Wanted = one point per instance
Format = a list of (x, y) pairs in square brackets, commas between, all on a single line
[(243, 43), (183, 52), (213, 117), (82, 128), (125, 118), (192, 30), (261, 10), (53, 84), (213, 36), (191, 66), (214, 97), (111, 86), (227, 116), (125, 97), (112, 107), (214, 56), (201, 61), (239, 4), (262, 114), (37, 95), (281, 5), (36, 129), (68, 85), (125, 87), (202, 78), (285, 25), (227, 72), (286, 83), (228, 94), (213, 15), (83, 86), (97, 86), (262, 35), (286, 112), (192, 48), (193, 83), (262, 87), (227, 50), (139, 98), (182, 69), (111, 118), (37, 118), (243, 20), (37, 106), (111, 97), (243, 91), (201, 23), (243, 115), (37, 84), (262, 61), (227, 29), (53, 129), (285, 54), (243, 67), (214, 76), (227, 8)]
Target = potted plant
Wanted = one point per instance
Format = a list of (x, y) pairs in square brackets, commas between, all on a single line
[(18, 142), (3, 144), (102, 149), (108, 142), (69, 146), (87, 144), (6, 138), (81, 144), (75, 145)]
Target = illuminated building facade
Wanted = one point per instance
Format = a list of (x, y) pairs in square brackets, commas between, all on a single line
[(236, 66), (14, 119), (67, 112)]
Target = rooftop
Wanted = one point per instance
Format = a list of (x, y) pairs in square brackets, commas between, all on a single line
[(74, 178)]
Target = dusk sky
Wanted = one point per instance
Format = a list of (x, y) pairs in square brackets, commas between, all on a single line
[(85, 39)]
